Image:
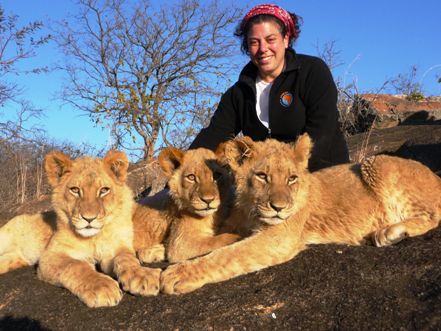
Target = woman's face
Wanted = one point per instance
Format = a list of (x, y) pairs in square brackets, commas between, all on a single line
[(266, 46)]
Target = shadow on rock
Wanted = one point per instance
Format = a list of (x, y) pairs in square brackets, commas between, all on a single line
[(24, 323)]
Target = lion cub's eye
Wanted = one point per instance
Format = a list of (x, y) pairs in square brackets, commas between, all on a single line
[(75, 190), (191, 178), (292, 179), (104, 191), (262, 176)]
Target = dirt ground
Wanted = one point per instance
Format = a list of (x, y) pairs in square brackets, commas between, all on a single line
[(327, 287)]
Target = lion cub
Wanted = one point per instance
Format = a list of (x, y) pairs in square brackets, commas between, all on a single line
[(200, 198), (385, 199), (91, 224)]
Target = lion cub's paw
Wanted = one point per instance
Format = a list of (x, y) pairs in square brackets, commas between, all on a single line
[(155, 253), (102, 291), (140, 280), (179, 278), (10, 262), (389, 235)]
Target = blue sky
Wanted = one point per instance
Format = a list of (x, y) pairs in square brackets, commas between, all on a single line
[(378, 39)]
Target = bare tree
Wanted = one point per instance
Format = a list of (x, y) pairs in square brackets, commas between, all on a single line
[(407, 84), (17, 43), (14, 127), (149, 71), (347, 91), (20, 173), (329, 53)]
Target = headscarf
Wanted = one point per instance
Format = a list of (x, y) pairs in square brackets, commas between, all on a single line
[(274, 10)]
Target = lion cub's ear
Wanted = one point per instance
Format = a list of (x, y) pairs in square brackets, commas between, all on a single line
[(56, 164), (234, 152), (302, 150), (117, 163), (170, 159)]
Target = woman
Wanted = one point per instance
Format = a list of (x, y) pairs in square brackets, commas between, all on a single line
[(279, 94)]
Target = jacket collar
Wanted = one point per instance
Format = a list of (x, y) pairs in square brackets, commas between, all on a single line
[(249, 72)]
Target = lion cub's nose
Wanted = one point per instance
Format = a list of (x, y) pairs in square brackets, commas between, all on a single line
[(207, 199), (88, 219), (277, 206)]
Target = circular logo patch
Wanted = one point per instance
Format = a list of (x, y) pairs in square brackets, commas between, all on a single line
[(286, 99)]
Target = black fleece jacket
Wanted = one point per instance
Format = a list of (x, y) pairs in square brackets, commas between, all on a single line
[(303, 98)]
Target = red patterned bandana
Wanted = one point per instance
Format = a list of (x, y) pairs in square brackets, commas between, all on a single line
[(275, 11)]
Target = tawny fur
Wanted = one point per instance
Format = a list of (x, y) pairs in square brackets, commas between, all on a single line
[(199, 201), (23, 239), (93, 210), (194, 227), (286, 208)]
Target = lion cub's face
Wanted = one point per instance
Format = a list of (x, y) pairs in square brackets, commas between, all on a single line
[(86, 189), (271, 176), (198, 184)]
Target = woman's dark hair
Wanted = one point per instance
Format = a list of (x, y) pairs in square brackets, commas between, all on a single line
[(243, 33)]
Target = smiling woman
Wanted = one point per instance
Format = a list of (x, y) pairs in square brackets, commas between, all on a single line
[(280, 94), (266, 47)]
